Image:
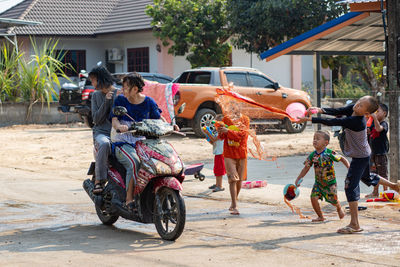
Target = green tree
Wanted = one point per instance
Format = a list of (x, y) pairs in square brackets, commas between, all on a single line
[(262, 24), (197, 27), (364, 71)]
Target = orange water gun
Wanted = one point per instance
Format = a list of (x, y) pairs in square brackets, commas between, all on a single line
[(219, 124)]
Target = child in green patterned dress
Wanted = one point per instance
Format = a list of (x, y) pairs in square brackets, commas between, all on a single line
[(325, 186)]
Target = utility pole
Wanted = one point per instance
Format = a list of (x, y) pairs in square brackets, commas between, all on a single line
[(393, 78)]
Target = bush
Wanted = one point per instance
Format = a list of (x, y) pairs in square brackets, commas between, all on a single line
[(346, 89)]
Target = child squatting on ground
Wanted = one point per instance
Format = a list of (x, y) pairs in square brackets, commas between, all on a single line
[(218, 151), (355, 146), (325, 185), (379, 143), (235, 151)]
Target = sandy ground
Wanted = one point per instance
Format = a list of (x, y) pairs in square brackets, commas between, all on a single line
[(57, 147), (45, 217)]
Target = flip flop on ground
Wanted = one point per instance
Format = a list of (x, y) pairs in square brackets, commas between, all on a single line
[(217, 189), (212, 187), (349, 230)]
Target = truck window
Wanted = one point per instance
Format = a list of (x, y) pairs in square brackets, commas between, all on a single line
[(182, 78), (196, 77), (260, 81), (238, 79)]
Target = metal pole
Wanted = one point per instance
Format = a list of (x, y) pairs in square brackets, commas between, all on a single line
[(393, 12), (318, 62)]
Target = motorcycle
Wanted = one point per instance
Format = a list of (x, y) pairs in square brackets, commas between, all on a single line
[(78, 97), (158, 197)]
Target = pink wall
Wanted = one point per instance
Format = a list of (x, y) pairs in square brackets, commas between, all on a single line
[(295, 61), (165, 61)]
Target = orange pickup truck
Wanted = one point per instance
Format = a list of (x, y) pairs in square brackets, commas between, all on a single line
[(198, 90)]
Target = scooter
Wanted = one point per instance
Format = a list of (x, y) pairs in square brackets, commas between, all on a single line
[(158, 197)]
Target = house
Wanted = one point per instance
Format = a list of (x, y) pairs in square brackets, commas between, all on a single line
[(118, 33)]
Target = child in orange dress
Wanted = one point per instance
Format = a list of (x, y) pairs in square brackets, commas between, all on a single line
[(235, 151)]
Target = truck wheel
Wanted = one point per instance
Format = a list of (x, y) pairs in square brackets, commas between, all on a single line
[(203, 118), (293, 127)]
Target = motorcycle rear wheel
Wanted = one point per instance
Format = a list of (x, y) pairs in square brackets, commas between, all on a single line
[(105, 217), (170, 211)]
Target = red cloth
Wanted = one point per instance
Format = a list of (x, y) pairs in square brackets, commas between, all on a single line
[(219, 165), (235, 142)]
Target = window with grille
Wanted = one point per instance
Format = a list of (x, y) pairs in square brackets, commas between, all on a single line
[(138, 59), (73, 58)]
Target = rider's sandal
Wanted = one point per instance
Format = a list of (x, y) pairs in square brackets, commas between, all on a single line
[(98, 189), (130, 206)]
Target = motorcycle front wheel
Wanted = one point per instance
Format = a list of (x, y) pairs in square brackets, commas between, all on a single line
[(169, 213)]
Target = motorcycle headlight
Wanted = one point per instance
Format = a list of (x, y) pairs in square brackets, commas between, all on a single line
[(161, 167), (178, 166)]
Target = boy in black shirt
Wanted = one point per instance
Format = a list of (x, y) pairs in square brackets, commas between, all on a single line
[(355, 146), (379, 145)]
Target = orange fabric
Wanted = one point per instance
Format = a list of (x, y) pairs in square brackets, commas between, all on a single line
[(235, 142)]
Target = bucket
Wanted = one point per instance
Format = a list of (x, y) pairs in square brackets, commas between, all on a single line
[(296, 110), (291, 192)]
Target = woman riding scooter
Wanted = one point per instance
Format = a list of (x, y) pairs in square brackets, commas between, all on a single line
[(102, 100), (139, 107)]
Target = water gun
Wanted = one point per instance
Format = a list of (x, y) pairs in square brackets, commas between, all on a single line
[(219, 124), (370, 121), (209, 133)]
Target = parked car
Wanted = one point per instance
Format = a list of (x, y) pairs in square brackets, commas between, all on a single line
[(198, 90), (155, 77), (77, 98)]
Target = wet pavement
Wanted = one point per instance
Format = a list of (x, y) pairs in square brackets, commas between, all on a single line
[(284, 171), (59, 226), (262, 235)]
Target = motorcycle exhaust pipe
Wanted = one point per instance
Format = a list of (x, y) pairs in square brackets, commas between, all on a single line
[(89, 186)]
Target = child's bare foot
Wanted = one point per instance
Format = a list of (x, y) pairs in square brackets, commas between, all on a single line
[(230, 208), (340, 213), (235, 211), (319, 219), (372, 195)]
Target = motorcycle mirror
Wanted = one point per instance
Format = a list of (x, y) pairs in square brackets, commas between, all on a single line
[(181, 108), (119, 111)]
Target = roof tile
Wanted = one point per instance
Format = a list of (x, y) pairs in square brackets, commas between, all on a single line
[(80, 17)]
